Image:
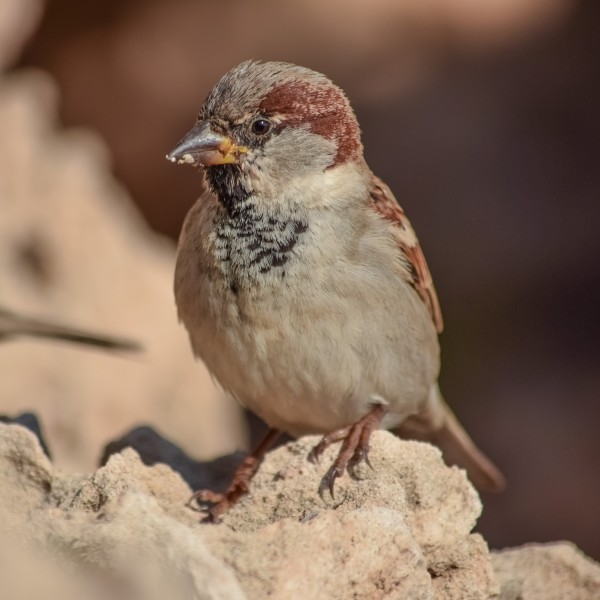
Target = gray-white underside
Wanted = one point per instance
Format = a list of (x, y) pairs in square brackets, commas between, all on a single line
[(310, 344)]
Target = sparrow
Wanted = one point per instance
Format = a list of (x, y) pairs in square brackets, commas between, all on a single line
[(301, 281), (14, 325)]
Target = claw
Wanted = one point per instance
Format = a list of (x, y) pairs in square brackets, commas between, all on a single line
[(328, 481), (204, 498), (367, 460), (361, 454), (314, 455), (213, 516)]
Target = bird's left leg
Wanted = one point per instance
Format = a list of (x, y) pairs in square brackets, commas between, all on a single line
[(240, 485), (355, 446)]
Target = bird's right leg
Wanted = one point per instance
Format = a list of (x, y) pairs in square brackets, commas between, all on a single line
[(355, 446)]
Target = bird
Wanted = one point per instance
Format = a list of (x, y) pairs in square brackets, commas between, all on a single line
[(15, 325), (301, 282)]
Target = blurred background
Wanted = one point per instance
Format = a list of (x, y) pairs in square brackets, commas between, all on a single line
[(483, 117)]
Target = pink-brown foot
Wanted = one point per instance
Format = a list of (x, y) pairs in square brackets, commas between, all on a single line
[(331, 438), (220, 503), (354, 450)]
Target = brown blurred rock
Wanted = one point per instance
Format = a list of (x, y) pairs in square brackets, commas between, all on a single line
[(402, 530), (73, 249), (18, 18)]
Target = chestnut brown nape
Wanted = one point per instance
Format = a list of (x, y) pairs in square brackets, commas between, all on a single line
[(324, 108)]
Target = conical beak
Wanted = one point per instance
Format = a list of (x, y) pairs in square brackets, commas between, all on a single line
[(202, 146)]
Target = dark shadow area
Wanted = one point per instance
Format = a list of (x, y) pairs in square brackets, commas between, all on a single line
[(153, 449)]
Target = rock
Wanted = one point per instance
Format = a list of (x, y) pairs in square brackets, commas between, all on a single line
[(18, 19), (73, 249), (26, 477), (365, 553), (154, 448), (29, 421), (123, 530), (133, 548), (557, 571), (407, 476), (401, 530)]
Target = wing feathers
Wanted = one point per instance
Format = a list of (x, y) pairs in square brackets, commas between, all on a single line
[(417, 271)]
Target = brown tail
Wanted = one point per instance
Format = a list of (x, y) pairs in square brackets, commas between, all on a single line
[(438, 425)]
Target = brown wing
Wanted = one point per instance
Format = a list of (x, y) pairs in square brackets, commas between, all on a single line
[(417, 271)]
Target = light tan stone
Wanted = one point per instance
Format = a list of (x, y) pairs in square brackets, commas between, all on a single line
[(557, 571), (400, 531), (73, 249), (403, 530)]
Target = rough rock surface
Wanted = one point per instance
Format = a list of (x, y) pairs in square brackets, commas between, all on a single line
[(402, 530), (556, 571)]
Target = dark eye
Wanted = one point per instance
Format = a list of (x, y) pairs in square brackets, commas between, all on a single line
[(261, 126)]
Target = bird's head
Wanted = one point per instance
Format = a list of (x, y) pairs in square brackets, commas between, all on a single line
[(266, 123)]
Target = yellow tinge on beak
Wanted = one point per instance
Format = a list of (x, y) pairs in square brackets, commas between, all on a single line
[(202, 146)]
